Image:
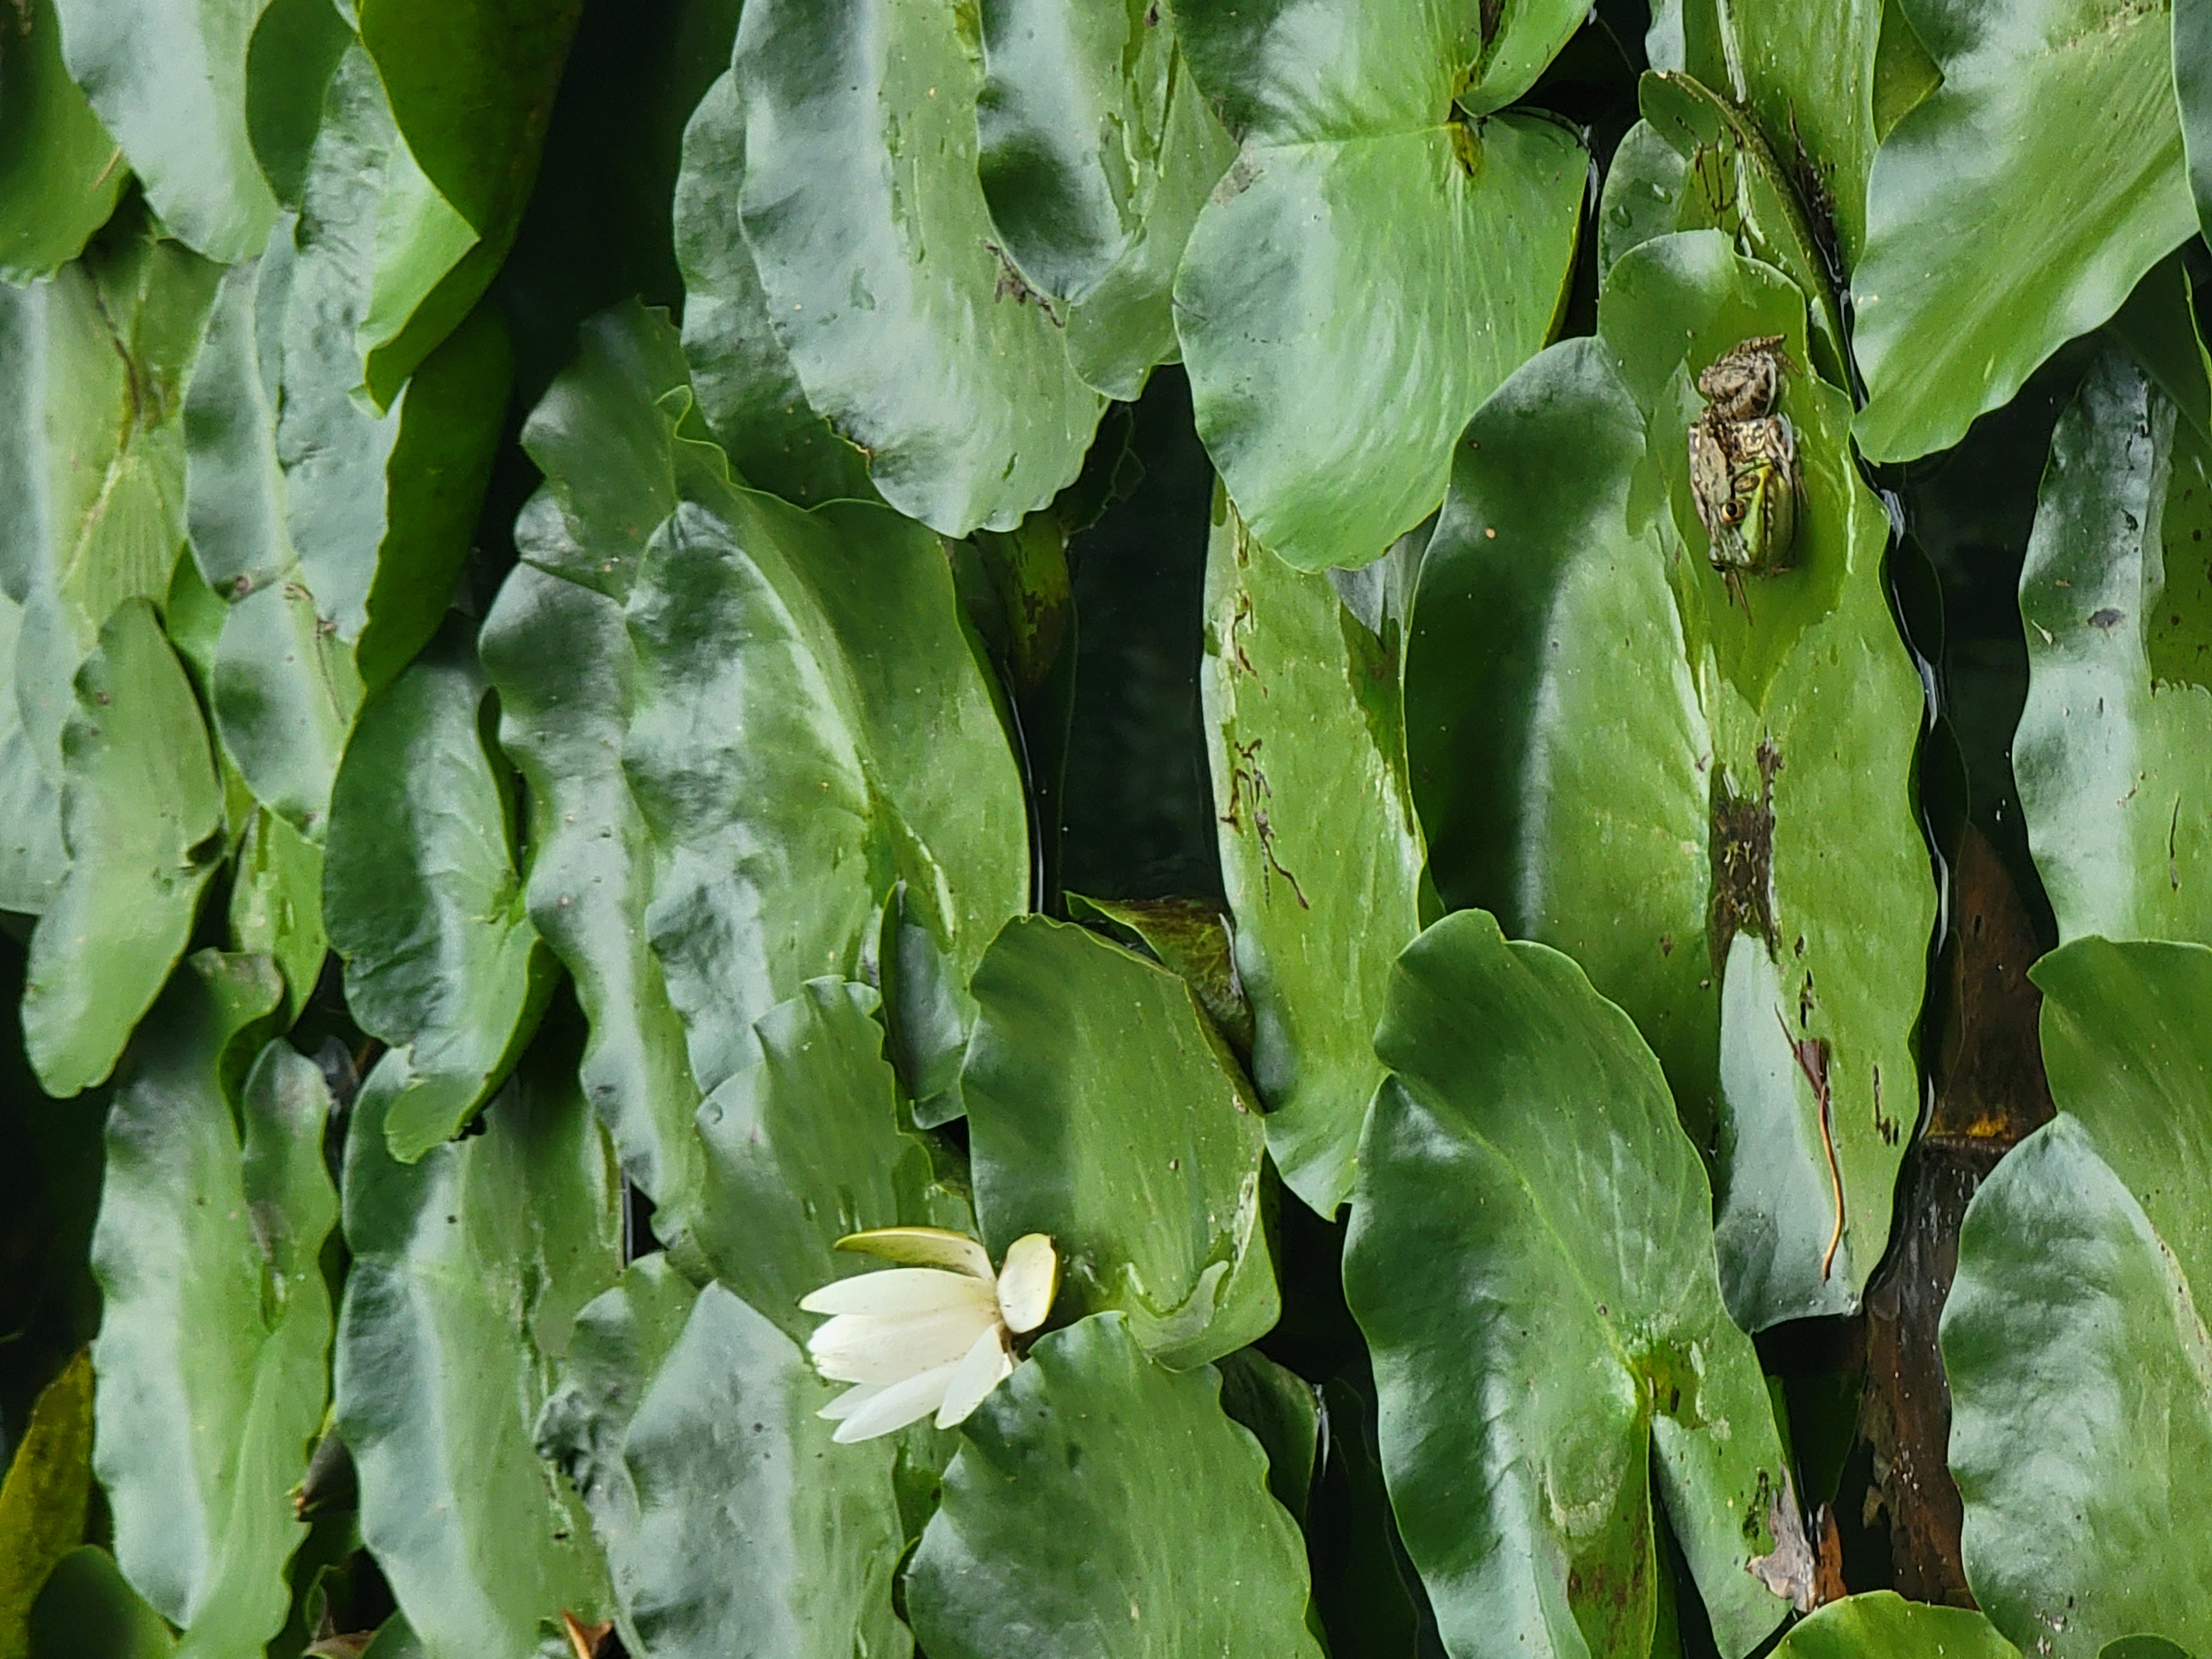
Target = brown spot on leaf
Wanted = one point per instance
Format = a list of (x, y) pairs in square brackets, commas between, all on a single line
[(1742, 852)]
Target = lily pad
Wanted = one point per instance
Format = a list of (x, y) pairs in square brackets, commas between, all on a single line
[(1975, 267), (2116, 597), (59, 171), (141, 821), (276, 904), (1531, 1261), (88, 1611), (216, 1327), (1068, 1524), (1882, 1624), (44, 1496), (422, 898), (2081, 1415), (1319, 853), (31, 856), (1386, 249), (1699, 804), (1096, 152), (879, 261), (447, 1346), (1104, 1111)]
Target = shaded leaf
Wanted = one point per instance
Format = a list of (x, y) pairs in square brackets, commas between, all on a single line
[(295, 50), (470, 1267), (1104, 1111), (87, 1611), (2081, 1413), (876, 252), (1319, 853), (1192, 937), (1095, 153), (422, 898), (2082, 93), (142, 817), (1283, 1412), (2117, 596), (1384, 251), (2192, 89), (31, 855), (43, 1497), (276, 904), (215, 1335), (1067, 1524), (60, 173), (1884, 1626), (1530, 1258)]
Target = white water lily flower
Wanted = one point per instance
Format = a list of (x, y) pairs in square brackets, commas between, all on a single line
[(934, 1335)]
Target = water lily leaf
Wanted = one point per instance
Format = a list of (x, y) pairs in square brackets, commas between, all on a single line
[(1070, 1501), (1699, 804), (1283, 1412), (1942, 333), (2192, 90), (422, 899), (471, 91), (560, 657), (31, 855), (1384, 253), (1095, 153), (2116, 595), (446, 1344), (2158, 325), (1882, 1624), (723, 1505), (1190, 936), (276, 904), (142, 817), (60, 173), (1529, 1206), (169, 81), (803, 1148), (747, 391), (215, 1329), (294, 50), (2081, 1415), (1319, 853), (43, 1497), (88, 1611), (880, 265), (1105, 1110)]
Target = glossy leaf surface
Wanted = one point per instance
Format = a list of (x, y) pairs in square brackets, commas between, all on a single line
[(1104, 1111), (1531, 1260), (1067, 1525), (421, 897), (470, 1267), (1881, 1623), (214, 1339), (1695, 803), (59, 171), (1319, 853), (875, 251), (2082, 1414), (2074, 90), (1384, 251), (2115, 775), (141, 816)]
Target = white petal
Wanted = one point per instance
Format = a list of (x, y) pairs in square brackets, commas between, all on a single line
[(850, 1401), (897, 1407), (898, 1291), (864, 1348), (922, 1247), (1028, 1283), (986, 1366)]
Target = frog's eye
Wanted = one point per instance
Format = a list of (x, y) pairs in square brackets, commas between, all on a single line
[(1732, 512)]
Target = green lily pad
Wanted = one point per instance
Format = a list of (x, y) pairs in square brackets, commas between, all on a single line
[(276, 904), (1882, 1624), (422, 898), (1321, 854), (876, 252), (1700, 806), (1105, 1110), (1068, 1524), (2193, 91), (1386, 249), (216, 1328), (446, 1345), (60, 173), (169, 81), (723, 1503), (43, 1498), (141, 820), (1095, 153), (294, 50), (31, 856), (1531, 1260), (2080, 1411), (1975, 267), (2116, 597), (87, 1611), (747, 391)]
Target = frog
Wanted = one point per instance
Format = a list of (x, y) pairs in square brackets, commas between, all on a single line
[(1743, 460), (1742, 384)]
